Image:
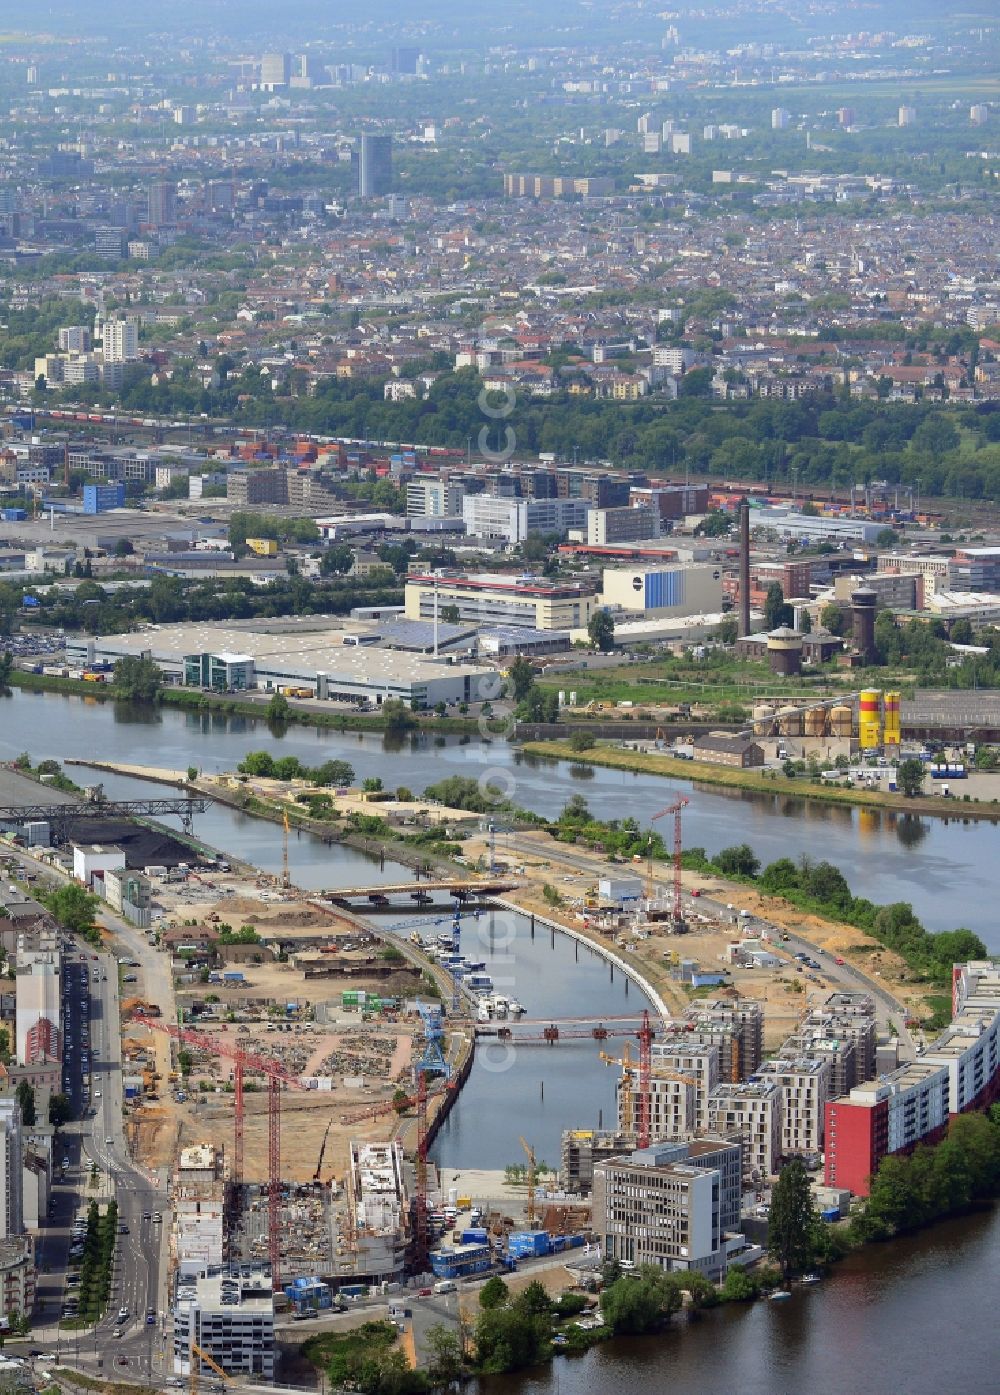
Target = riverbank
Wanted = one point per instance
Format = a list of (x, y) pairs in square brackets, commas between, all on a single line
[(759, 782), (299, 714)]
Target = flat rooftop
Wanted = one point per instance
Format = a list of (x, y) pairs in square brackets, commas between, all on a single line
[(288, 654), (19, 790)]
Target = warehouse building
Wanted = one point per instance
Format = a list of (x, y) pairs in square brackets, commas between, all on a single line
[(333, 664), (663, 590)]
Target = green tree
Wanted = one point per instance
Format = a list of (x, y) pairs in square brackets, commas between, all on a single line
[(26, 1099), (445, 1357), (834, 618), (601, 629), (494, 1293), (739, 1286), (73, 907), (521, 677), (137, 680), (727, 631), (60, 1110), (739, 861), (508, 1339), (372, 784), (582, 741), (450, 615), (333, 772), (697, 382), (192, 772), (640, 1302), (397, 716), (534, 1299), (278, 708), (910, 777), (792, 1218), (776, 612)]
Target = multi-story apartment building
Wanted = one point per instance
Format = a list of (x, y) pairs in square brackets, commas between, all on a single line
[(816, 1043), (698, 1063), (583, 1149), (958, 1072), (850, 1015), (263, 486), (427, 497), (672, 501), (975, 569), (121, 340), (751, 1110), (891, 1115), (512, 520), (804, 1085), (933, 571), (11, 1168), (606, 526), (17, 1277), (36, 980), (373, 165), (162, 203), (275, 70), (739, 1024)]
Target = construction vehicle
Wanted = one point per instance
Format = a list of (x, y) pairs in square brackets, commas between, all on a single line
[(197, 1357), (530, 1153)]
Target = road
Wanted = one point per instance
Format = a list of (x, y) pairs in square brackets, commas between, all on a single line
[(99, 1165)]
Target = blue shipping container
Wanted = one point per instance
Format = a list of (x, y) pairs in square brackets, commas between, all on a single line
[(528, 1242)]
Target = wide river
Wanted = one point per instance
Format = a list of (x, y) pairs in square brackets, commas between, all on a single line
[(917, 1316)]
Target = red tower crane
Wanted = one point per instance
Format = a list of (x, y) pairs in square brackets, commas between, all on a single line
[(675, 809), (644, 1102), (276, 1075)]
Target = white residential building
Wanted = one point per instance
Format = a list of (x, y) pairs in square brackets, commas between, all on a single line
[(752, 1110), (805, 1087), (121, 340), (512, 520), (434, 498)]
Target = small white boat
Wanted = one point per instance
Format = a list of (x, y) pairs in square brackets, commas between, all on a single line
[(779, 1295), (811, 1279), (515, 1008)]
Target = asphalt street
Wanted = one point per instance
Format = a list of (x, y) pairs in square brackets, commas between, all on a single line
[(98, 1164)]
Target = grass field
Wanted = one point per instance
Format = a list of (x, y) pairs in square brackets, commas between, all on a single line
[(676, 680)]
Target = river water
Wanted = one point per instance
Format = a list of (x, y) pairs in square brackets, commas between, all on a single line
[(917, 1316), (945, 868)]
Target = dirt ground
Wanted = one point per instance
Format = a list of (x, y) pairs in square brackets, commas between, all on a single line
[(784, 992)]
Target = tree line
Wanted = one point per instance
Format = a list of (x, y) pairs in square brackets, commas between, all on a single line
[(821, 888)]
